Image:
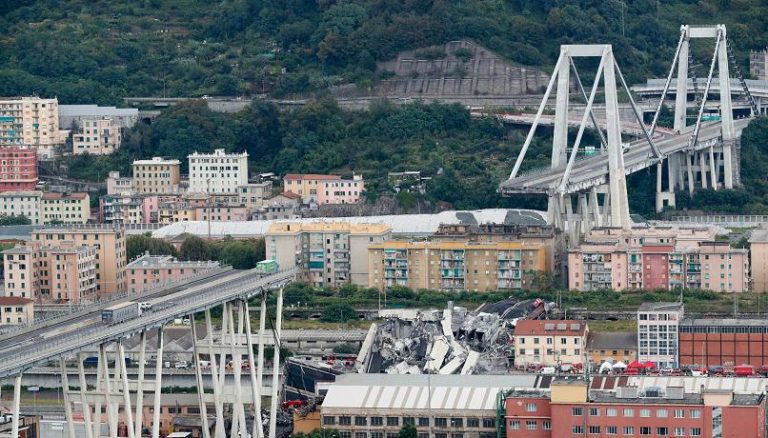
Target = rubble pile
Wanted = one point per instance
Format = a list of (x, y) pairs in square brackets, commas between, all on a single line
[(451, 341)]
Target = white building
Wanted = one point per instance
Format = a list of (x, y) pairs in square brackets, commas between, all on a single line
[(657, 333), (119, 185), (22, 203), (31, 121), (96, 137), (218, 172)]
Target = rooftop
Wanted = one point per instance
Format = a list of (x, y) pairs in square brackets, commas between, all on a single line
[(217, 153), (459, 244), (759, 235), (166, 261), (54, 195), (545, 327), (721, 322), (35, 193), (96, 111), (156, 160), (661, 307), (15, 301), (310, 176), (612, 340), (687, 399), (299, 227)]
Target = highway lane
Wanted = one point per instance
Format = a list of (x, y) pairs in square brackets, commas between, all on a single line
[(595, 168), (189, 301), (92, 316)]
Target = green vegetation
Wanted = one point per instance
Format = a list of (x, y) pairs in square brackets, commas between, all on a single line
[(408, 431), (240, 254), (318, 433), (138, 245), (101, 50), (14, 220)]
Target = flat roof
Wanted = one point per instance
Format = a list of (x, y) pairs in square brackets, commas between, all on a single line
[(612, 341), (95, 110), (660, 307), (759, 235), (411, 392), (688, 399), (725, 322)]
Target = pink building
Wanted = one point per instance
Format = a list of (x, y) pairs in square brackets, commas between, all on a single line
[(341, 191), (657, 259), (60, 273), (18, 168), (148, 271)]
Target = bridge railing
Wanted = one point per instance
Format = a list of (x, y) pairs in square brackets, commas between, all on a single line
[(715, 219)]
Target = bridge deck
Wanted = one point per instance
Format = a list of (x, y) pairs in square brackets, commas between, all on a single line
[(592, 171)]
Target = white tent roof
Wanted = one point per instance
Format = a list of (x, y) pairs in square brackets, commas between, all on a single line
[(411, 224), (619, 364)]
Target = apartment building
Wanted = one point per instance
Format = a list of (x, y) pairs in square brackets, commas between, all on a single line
[(619, 346), (27, 204), (172, 212), (329, 253), (454, 265), (657, 333), (252, 195), (16, 311), (149, 271), (63, 272), (96, 136), (219, 172), (286, 205), (222, 213), (71, 116), (117, 185), (31, 121), (324, 189), (758, 255), (657, 259), (68, 208), (128, 209), (18, 168), (156, 176), (109, 241), (550, 343), (570, 408)]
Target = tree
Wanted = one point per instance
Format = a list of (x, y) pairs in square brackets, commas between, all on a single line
[(341, 312), (407, 431), (194, 248), (145, 243), (14, 220), (344, 348)]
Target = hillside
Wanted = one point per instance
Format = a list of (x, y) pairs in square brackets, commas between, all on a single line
[(102, 50)]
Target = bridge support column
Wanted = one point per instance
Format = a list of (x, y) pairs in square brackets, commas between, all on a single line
[(681, 97), (276, 365), (16, 406)]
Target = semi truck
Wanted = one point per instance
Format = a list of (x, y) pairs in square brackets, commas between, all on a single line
[(120, 312), (266, 267)]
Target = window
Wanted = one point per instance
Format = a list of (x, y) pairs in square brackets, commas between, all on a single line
[(530, 425), (441, 422), (629, 430), (577, 412), (546, 425), (679, 431), (345, 434), (393, 421), (594, 412), (361, 434), (662, 431), (377, 421), (345, 420), (645, 430), (611, 430), (661, 413), (645, 413), (489, 422), (695, 431), (629, 412), (577, 429), (329, 421), (594, 429), (530, 407), (423, 421), (361, 421), (514, 424), (695, 413), (679, 413), (457, 422), (473, 422), (610, 412)]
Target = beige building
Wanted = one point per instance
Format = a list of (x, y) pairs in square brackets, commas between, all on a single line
[(156, 176), (758, 254), (252, 195), (97, 136), (31, 121), (16, 311), (117, 185), (218, 172), (329, 253), (308, 186), (51, 273), (454, 265), (173, 212), (550, 343), (111, 256), (758, 60), (27, 204), (73, 208)]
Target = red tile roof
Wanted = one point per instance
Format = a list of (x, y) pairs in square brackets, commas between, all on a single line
[(14, 301), (290, 195), (310, 176), (53, 195), (544, 328)]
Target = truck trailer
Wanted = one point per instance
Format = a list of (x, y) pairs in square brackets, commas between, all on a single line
[(120, 312)]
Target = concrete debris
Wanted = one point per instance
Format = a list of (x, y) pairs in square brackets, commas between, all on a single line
[(454, 340)]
